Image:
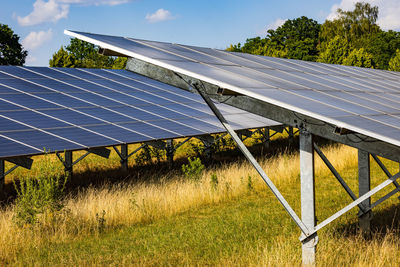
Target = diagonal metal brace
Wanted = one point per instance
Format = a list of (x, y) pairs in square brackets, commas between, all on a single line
[(254, 162), (338, 177), (355, 203)]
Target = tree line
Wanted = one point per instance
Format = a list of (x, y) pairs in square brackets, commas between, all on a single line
[(353, 39)]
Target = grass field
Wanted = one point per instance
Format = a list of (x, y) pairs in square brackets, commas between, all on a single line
[(169, 220)]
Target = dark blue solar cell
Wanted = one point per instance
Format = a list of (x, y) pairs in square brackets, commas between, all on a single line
[(201, 125), (5, 90), (66, 100), (86, 138), (10, 148), (95, 99), (28, 101), (21, 72), (43, 141), (24, 86), (58, 86), (34, 119), (166, 113), (155, 132), (126, 136), (178, 128), (5, 106), (73, 116), (136, 113), (9, 125), (52, 72), (108, 115)]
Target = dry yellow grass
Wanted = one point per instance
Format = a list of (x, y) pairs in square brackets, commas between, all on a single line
[(127, 204)]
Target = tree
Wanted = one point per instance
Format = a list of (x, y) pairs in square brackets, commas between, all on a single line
[(394, 63), (11, 51), (81, 54), (62, 59), (297, 38), (359, 58), (382, 46), (354, 26), (336, 51)]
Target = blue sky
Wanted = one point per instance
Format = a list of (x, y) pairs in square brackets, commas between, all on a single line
[(211, 23)]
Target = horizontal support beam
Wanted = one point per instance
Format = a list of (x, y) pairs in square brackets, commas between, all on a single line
[(267, 110), (100, 151), (24, 162), (108, 52)]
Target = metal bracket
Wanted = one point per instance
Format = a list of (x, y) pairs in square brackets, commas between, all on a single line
[(157, 144), (24, 162)]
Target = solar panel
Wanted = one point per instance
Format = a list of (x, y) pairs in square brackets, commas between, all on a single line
[(57, 109), (349, 97)]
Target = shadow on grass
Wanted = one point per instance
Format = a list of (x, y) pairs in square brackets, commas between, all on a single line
[(153, 173), (384, 221)]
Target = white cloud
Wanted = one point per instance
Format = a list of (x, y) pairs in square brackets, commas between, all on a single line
[(159, 15), (35, 39), (54, 10), (274, 25), (389, 11), (30, 59)]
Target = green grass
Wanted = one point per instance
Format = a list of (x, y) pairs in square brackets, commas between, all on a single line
[(252, 229)]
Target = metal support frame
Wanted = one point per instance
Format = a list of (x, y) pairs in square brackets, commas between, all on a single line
[(291, 135), (24, 162), (68, 162), (307, 224), (307, 189), (364, 186), (2, 174), (170, 152)]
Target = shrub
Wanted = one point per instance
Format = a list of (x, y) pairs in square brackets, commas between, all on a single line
[(40, 196), (193, 169)]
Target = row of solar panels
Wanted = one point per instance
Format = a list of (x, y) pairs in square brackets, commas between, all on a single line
[(363, 100), (57, 109)]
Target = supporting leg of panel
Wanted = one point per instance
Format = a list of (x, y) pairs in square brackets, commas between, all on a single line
[(307, 196), (267, 138), (68, 164), (124, 157), (2, 174), (364, 186), (170, 152), (291, 136)]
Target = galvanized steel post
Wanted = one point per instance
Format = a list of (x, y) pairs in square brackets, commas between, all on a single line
[(307, 196), (124, 157), (68, 164), (364, 186), (2, 174), (170, 152)]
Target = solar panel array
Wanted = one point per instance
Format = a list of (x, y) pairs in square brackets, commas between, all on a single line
[(363, 100), (61, 109)]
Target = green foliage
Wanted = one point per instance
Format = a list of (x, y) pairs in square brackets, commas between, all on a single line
[(39, 197), (250, 186), (336, 51), (359, 58), (298, 37), (101, 222), (214, 181), (394, 63), (354, 26), (193, 169), (62, 59), (11, 51), (382, 46), (353, 38), (147, 154), (81, 54)]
